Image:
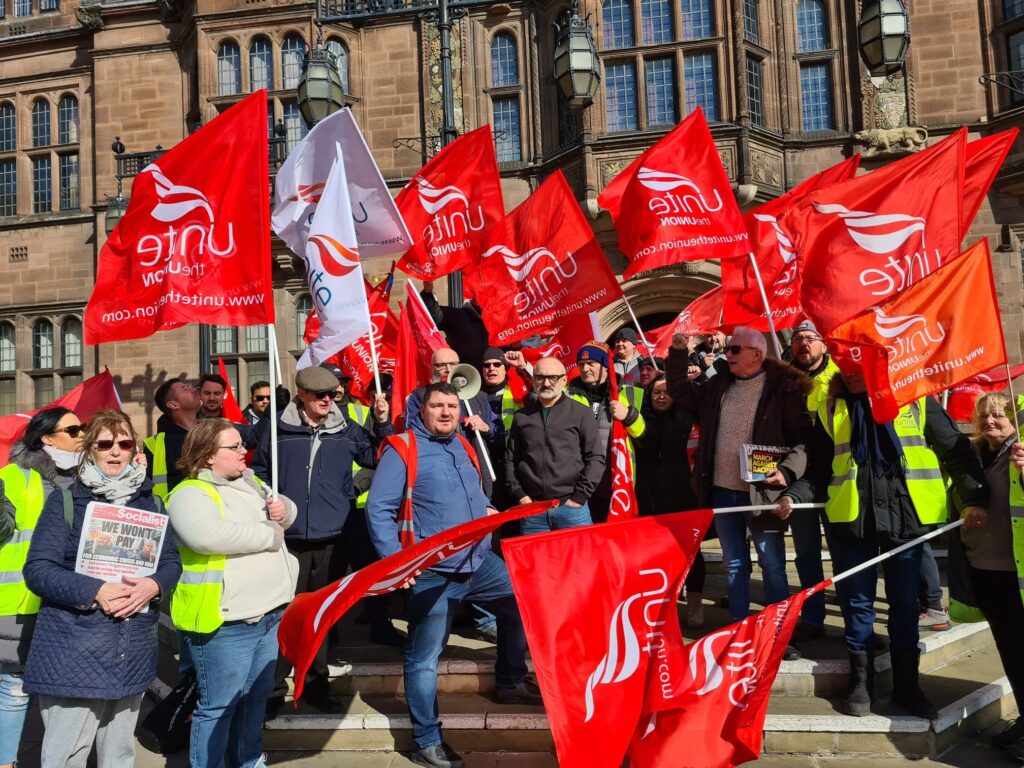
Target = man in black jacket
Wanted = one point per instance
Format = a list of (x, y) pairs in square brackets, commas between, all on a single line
[(554, 452), (463, 326)]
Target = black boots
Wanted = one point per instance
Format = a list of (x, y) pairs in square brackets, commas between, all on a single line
[(862, 683), (906, 690)]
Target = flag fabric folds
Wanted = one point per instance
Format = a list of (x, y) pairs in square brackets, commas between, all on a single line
[(194, 244), (702, 315), (594, 648), (677, 203), (300, 183), (538, 270), (449, 206), (942, 330), (984, 158), (418, 339), (230, 408), (964, 395), (310, 616), (624, 504)]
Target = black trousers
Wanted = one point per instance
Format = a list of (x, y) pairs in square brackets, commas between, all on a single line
[(999, 599)]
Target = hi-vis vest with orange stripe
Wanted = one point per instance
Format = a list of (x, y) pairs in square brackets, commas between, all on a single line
[(405, 446)]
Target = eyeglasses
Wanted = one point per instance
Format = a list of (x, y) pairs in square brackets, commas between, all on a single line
[(73, 431), (442, 366), (261, 398), (106, 445), (323, 393), (541, 378), (735, 349), (808, 339), (493, 365), (237, 447)]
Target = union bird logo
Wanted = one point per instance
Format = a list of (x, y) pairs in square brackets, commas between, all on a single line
[(703, 658), (337, 260), (176, 200), (876, 232), (891, 327), (663, 181), (434, 199), (308, 193), (785, 244), (623, 655), (519, 266)]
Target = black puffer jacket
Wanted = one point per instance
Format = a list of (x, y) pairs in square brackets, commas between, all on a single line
[(663, 481), (463, 328), (781, 419)]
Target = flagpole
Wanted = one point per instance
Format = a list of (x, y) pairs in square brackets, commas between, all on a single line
[(767, 309), (1013, 399), (480, 442), (373, 355), (639, 330), (762, 508), (901, 548), (273, 366)]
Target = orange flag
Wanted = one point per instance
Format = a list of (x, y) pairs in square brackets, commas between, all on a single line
[(942, 330)]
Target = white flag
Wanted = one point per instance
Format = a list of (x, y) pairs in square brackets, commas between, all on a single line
[(300, 182), (333, 271)]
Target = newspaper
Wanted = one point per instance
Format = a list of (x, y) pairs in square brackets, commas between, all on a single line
[(759, 461), (120, 541)]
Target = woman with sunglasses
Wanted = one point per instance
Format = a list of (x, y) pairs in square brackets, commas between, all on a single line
[(94, 651), (238, 578), (44, 460)]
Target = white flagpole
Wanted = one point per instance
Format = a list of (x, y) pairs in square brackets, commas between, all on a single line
[(762, 508), (639, 330), (274, 366), (373, 356), (767, 309)]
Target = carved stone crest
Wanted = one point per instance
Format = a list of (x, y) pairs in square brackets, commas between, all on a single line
[(89, 17), (891, 141)]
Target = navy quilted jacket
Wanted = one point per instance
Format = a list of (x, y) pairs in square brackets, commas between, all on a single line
[(77, 650)]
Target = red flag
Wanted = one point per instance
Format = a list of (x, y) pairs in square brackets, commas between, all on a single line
[(984, 158), (942, 330), (194, 245), (594, 646), (776, 259), (539, 269), (665, 217), (623, 504), (449, 206), (91, 395), (310, 616), (418, 339), (866, 239), (356, 360), (964, 396), (566, 343), (720, 688), (702, 315), (229, 408)]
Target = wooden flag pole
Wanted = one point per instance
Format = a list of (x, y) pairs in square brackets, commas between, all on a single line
[(767, 309)]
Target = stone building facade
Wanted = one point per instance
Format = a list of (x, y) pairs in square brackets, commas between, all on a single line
[(780, 80)]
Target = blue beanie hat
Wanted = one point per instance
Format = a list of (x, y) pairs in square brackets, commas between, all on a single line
[(593, 350)]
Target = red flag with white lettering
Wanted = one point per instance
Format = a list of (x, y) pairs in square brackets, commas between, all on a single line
[(566, 343), (310, 616), (719, 689), (776, 259), (356, 360), (983, 159), (91, 395), (964, 396), (539, 269), (623, 504), (702, 315), (864, 240), (194, 244), (450, 204), (594, 647), (942, 330), (678, 204)]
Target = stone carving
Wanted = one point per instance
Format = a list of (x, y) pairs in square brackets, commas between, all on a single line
[(766, 168), (610, 169), (881, 141), (89, 17), (728, 157)]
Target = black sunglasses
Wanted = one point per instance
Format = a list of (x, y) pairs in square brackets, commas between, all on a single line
[(735, 349), (73, 431), (324, 393), (261, 397), (106, 445)]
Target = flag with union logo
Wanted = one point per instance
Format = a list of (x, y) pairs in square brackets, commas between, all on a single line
[(310, 616), (942, 330), (702, 315), (564, 344), (866, 239), (334, 273), (596, 646), (710, 713), (775, 257), (624, 505), (194, 244), (677, 203), (450, 204), (302, 179), (538, 270)]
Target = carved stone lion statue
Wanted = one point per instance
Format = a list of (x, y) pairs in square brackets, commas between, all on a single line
[(879, 141)]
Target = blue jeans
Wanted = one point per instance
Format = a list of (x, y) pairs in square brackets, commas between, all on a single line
[(771, 555), (857, 592), (433, 601), (930, 591), (556, 519), (805, 525), (13, 708), (235, 670)]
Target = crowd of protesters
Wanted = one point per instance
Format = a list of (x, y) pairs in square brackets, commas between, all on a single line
[(351, 489)]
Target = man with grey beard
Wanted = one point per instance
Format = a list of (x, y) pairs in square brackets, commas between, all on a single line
[(554, 452)]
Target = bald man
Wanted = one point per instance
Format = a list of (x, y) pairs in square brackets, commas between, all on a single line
[(554, 452)]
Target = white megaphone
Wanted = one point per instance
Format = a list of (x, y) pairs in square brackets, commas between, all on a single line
[(466, 380)]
